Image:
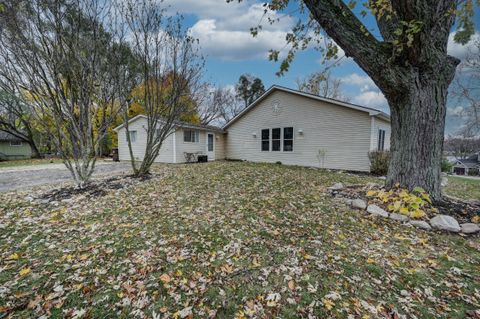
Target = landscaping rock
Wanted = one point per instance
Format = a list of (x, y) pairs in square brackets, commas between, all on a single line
[(420, 224), (470, 228), (444, 181), (359, 204), (337, 187), (399, 217), (445, 222), (377, 211)]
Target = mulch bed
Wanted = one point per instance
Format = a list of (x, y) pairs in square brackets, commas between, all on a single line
[(95, 188)]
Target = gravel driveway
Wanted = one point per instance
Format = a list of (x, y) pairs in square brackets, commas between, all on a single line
[(24, 177)]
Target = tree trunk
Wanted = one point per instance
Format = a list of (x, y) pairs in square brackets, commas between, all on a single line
[(35, 151), (418, 123)]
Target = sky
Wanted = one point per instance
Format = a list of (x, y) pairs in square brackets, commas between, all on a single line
[(223, 31)]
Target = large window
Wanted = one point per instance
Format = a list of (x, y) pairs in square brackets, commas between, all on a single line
[(381, 140), (190, 136), (266, 140), (280, 140), (133, 136), (288, 139), (276, 136)]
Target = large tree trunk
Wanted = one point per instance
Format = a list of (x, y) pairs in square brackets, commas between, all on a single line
[(35, 151), (418, 124)]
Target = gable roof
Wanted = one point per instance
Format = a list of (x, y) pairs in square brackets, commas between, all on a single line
[(371, 111), (7, 137), (470, 162), (178, 124)]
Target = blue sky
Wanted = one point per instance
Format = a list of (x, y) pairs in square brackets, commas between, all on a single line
[(230, 50)]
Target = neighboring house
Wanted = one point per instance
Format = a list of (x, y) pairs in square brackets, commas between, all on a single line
[(11, 147), (467, 166), (283, 125)]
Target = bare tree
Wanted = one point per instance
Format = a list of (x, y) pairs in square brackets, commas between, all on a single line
[(58, 52), (462, 147), (170, 73), (215, 105), (466, 93), (322, 84)]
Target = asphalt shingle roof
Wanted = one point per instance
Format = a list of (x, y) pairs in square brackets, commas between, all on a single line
[(7, 137)]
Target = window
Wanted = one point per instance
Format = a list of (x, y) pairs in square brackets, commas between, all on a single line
[(276, 136), (266, 140), (210, 142), (381, 140), (288, 139), (15, 143), (133, 136), (190, 136)]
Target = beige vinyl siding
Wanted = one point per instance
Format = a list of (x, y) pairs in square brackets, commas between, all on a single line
[(201, 146), (219, 146), (384, 125), (166, 151), (189, 147), (343, 134)]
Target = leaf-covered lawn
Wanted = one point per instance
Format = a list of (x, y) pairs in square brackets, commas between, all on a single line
[(227, 240), (463, 187)]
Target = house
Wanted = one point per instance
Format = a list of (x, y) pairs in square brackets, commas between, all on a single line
[(283, 125), (467, 166), (11, 147)]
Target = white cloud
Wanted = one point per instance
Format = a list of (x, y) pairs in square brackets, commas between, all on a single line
[(363, 81), (462, 51), (373, 99), (223, 29), (235, 45)]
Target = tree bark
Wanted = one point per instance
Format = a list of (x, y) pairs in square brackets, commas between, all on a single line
[(35, 151), (418, 125)]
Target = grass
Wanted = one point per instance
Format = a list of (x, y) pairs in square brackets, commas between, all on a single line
[(230, 240), (30, 161), (464, 188)]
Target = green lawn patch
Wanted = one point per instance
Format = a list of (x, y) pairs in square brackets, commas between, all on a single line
[(227, 240), (462, 187)]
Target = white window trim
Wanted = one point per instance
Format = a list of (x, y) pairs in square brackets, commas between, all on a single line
[(16, 145), (292, 139), (197, 134), (379, 139), (270, 140), (128, 134)]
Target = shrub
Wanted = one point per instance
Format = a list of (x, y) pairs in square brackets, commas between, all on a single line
[(415, 204), (473, 172), (379, 161), (446, 166)]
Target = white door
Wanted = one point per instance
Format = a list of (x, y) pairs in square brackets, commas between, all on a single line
[(211, 146)]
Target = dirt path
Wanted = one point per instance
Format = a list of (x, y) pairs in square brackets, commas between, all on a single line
[(24, 177)]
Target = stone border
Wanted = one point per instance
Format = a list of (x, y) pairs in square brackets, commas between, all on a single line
[(439, 222)]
